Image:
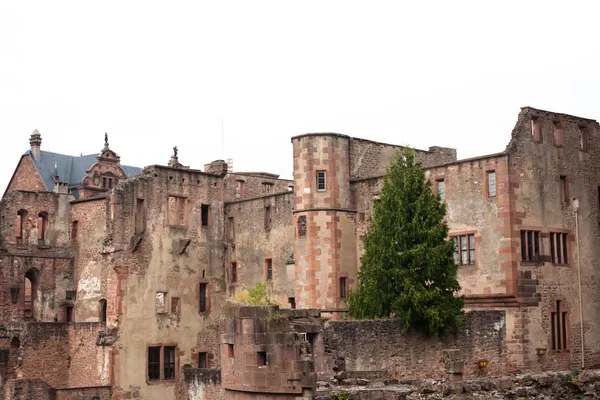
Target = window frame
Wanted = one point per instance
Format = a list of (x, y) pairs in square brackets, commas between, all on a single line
[(456, 237), (233, 269), (268, 269), (343, 288), (558, 133), (559, 241), (488, 192), (203, 300), (536, 129), (74, 230), (205, 215), (437, 189), (155, 363), (203, 365), (268, 218), (563, 189), (524, 237), (302, 226), (324, 188), (186, 211), (560, 326), (583, 138)]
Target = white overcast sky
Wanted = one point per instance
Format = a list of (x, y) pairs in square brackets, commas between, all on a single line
[(157, 75)]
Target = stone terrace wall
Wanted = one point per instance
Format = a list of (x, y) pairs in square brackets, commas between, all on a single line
[(378, 346), (201, 383)]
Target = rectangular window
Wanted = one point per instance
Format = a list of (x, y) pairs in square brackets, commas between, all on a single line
[(140, 216), (230, 228), (74, 228), (558, 134), (302, 225), (161, 302), (203, 359), (583, 138), (174, 305), (559, 327), (536, 129), (530, 246), (267, 218), (234, 272), (203, 302), (558, 248), (267, 188), (343, 288), (239, 189), (269, 269), (441, 189), (177, 212), (69, 314), (491, 183), (320, 180), (205, 214), (69, 295), (464, 249), (564, 189), (230, 350), (169, 362), (104, 185), (261, 358), (153, 363), (292, 301)]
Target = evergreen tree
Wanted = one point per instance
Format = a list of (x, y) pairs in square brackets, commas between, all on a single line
[(408, 270)]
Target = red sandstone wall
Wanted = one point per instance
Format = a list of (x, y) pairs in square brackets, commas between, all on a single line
[(26, 177)]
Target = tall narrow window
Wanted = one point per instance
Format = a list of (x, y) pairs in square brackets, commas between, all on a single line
[(491, 183), (292, 301), (239, 189), (174, 305), (536, 129), (320, 181), (583, 138), (302, 225), (104, 183), (268, 217), (530, 246), (42, 226), (177, 210), (564, 189), (464, 250), (441, 189), (261, 358), (267, 188), (169, 362), (203, 359), (140, 216), (20, 223), (230, 228), (74, 229), (558, 248), (69, 314), (269, 269), (560, 327), (205, 214), (343, 288), (558, 133), (103, 310), (153, 363), (233, 272), (203, 297)]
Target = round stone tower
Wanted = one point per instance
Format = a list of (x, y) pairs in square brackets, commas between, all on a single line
[(324, 235)]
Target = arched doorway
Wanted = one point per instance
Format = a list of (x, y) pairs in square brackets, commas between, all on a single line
[(31, 286)]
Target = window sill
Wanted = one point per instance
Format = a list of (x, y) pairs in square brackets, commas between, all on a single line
[(155, 382), (532, 264), (559, 265)]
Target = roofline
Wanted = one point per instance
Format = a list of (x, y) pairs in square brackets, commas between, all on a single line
[(15, 172), (362, 140), (261, 175), (557, 113), (94, 198), (321, 134), (194, 171)]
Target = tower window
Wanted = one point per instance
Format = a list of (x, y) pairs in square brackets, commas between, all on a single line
[(269, 269), (440, 187), (302, 225), (560, 327), (320, 181), (205, 214), (491, 183)]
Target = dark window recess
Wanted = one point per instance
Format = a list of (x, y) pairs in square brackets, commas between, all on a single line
[(140, 216), (174, 305), (292, 301), (558, 248), (74, 228), (321, 180), (234, 272), (4, 356), (269, 268), (230, 351), (103, 310), (153, 363), (343, 288), (302, 225), (559, 328), (203, 297), (464, 249), (169, 362), (203, 360), (261, 358), (564, 189), (69, 295), (205, 209), (530, 246), (69, 314)]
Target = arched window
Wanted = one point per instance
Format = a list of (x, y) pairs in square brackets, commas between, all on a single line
[(42, 226), (31, 285), (103, 310)]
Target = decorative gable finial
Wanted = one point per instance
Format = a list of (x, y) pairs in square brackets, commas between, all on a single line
[(175, 151), (105, 141)]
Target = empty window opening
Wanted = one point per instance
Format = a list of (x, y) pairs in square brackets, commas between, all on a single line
[(491, 183), (564, 189), (21, 218), (103, 307), (104, 183), (205, 214), (31, 283), (292, 301), (261, 358), (69, 314), (464, 249), (269, 269), (558, 133), (69, 295), (598, 198), (290, 188), (302, 225), (536, 129), (42, 226), (74, 229), (174, 305), (530, 246), (153, 363), (239, 189), (267, 217), (560, 327), (321, 180), (440, 187), (234, 272), (161, 302), (169, 362), (558, 248), (230, 350), (267, 188), (140, 216), (177, 212), (203, 359), (203, 297), (583, 138), (343, 288), (230, 228)]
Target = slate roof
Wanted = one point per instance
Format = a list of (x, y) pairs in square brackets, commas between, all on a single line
[(71, 169)]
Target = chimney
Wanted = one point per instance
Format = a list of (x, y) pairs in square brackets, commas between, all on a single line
[(35, 141)]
